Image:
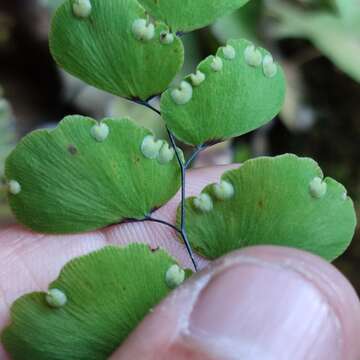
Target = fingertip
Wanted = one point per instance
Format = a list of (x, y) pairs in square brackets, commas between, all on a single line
[(335, 288), (257, 303)]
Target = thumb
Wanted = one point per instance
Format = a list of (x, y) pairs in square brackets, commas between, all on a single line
[(262, 303)]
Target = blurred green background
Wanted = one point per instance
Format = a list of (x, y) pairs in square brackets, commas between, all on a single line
[(317, 42)]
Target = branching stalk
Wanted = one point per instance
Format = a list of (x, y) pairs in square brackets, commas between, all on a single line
[(159, 221), (183, 197), (194, 155), (183, 167)]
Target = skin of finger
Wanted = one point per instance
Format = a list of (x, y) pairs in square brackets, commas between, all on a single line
[(162, 335), (30, 261)]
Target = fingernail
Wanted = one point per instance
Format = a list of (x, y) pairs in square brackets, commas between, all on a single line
[(257, 310)]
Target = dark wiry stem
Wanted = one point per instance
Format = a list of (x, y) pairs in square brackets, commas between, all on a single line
[(183, 168), (183, 196), (146, 104), (159, 221), (194, 155)]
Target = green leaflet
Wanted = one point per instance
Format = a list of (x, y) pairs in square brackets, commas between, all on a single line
[(187, 15), (85, 175), (104, 50), (231, 99), (107, 292), (274, 201)]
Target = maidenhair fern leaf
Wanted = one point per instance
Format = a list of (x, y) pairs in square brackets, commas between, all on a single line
[(92, 307), (114, 46), (85, 175), (186, 15), (276, 201), (230, 94)]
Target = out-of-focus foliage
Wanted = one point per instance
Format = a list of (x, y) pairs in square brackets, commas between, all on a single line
[(242, 153), (297, 114), (6, 24), (51, 4), (241, 24), (322, 22), (7, 140), (335, 34)]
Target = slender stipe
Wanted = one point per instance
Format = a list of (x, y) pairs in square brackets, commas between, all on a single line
[(183, 167), (194, 155), (183, 196), (162, 222)]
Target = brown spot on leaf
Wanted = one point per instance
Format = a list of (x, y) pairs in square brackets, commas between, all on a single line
[(72, 149)]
